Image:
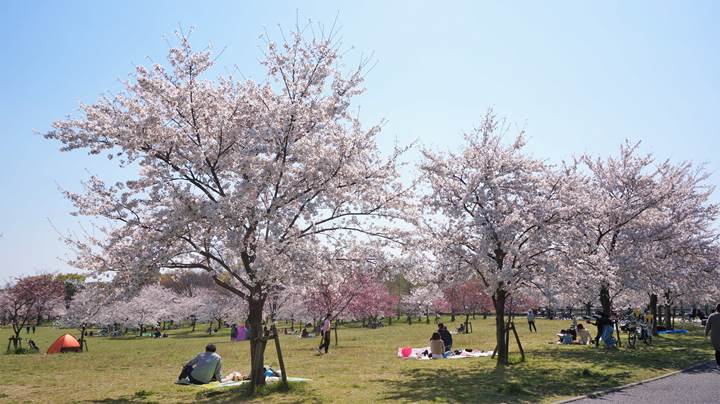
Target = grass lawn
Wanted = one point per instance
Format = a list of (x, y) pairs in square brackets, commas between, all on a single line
[(363, 368)]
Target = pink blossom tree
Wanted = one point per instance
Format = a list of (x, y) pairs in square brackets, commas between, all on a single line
[(342, 273), (27, 297), (372, 302), (235, 177), (494, 213)]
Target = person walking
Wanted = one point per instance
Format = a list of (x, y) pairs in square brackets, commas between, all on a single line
[(712, 328), (531, 320), (325, 332)]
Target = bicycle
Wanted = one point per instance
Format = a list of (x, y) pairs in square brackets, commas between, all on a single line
[(637, 331)]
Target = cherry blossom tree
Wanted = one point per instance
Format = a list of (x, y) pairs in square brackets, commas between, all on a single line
[(468, 298), (216, 306), (27, 297), (628, 203), (422, 299), (342, 272), (234, 177), (494, 213), (372, 302), (151, 305), (85, 309)]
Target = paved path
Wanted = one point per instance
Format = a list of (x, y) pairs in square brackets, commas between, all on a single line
[(698, 385)]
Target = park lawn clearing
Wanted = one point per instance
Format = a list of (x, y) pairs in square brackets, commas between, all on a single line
[(364, 368)]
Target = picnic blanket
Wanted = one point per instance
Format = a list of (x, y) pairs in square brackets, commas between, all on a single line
[(417, 353), (218, 385)]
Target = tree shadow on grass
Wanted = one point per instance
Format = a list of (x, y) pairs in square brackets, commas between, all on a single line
[(659, 356), (555, 370), (141, 396), (297, 392), (512, 384)]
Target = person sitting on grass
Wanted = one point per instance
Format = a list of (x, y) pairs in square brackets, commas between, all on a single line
[(583, 335), (446, 336), (461, 329), (202, 369), (437, 346), (33, 346), (304, 333)]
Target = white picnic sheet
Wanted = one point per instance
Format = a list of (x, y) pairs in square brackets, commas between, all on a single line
[(216, 385), (417, 354)]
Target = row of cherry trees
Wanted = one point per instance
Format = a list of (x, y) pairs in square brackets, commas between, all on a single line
[(276, 190), (593, 230), (97, 305)]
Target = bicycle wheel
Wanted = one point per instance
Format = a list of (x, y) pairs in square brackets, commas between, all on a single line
[(648, 339), (632, 338)]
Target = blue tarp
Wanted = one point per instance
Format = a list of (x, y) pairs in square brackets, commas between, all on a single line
[(673, 332)]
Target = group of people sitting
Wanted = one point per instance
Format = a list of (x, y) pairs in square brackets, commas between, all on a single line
[(440, 342), (577, 334), (157, 334)]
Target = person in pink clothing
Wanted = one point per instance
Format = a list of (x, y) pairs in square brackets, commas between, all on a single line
[(325, 332)]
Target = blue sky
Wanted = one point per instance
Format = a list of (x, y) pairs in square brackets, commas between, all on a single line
[(579, 76)]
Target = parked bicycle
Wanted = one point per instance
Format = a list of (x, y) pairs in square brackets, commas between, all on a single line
[(637, 330)]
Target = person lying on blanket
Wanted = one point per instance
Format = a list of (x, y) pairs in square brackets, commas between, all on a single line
[(202, 369)]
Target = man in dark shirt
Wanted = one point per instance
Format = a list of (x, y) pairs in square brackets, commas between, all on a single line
[(445, 336)]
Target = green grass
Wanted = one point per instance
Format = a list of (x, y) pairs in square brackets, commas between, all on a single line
[(364, 368)]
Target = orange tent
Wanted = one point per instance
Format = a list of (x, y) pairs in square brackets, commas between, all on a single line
[(64, 343)]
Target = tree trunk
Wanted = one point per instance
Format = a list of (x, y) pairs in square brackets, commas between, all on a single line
[(257, 343), (17, 330), (452, 316), (588, 309), (83, 344), (653, 312), (467, 321), (500, 337), (219, 324), (668, 317), (605, 300), (193, 325)]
